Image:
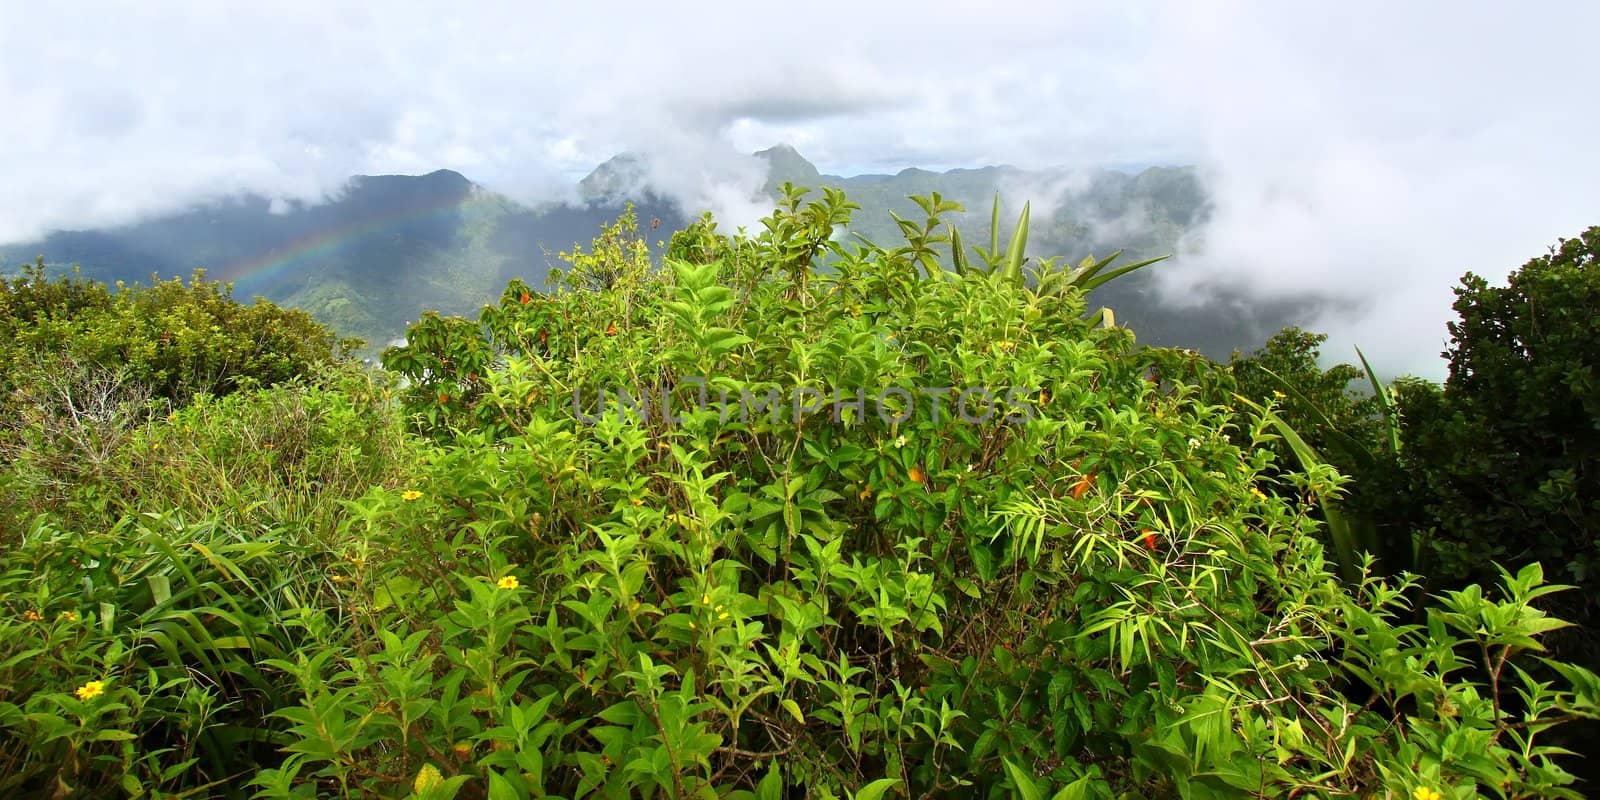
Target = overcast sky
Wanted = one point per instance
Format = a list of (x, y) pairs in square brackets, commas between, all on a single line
[(1369, 151)]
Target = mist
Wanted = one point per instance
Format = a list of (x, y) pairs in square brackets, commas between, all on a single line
[(1367, 154)]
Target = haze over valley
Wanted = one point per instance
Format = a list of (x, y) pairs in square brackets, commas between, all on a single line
[(371, 258), (1345, 193)]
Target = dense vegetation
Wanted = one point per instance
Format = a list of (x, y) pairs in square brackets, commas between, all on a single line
[(1105, 578)]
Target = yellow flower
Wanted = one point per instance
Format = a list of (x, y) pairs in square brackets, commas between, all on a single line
[(70, 616), (508, 582), (409, 495), (91, 690), (1424, 793), (32, 616), (427, 778), (1258, 493), (337, 578)]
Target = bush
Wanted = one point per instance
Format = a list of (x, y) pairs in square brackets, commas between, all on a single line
[(1102, 600), (159, 587), (83, 367), (174, 339), (1506, 456), (282, 456), (1081, 587)]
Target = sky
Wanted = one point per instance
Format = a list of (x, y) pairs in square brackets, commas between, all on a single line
[(1369, 152)]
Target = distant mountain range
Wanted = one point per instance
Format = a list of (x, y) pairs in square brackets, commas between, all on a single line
[(390, 246)]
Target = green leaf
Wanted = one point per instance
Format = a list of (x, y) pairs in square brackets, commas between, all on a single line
[(771, 786), (1019, 243), (1077, 790), (994, 227), (1026, 788), (1091, 282), (876, 789), (793, 708), (160, 588), (1391, 420)]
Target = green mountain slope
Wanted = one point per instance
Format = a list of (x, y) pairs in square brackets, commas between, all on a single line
[(1074, 214), (366, 263), (371, 260)]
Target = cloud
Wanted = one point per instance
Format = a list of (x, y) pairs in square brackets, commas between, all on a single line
[(125, 110), (1368, 152), (1373, 154)]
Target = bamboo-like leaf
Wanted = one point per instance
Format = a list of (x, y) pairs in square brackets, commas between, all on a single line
[(994, 229), (1089, 267), (1019, 243), (1391, 422), (1339, 530), (864, 240), (1347, 444), (958, 254), (1090, 281)]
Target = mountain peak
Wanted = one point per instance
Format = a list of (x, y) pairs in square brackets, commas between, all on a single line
[(621, 175), (438, 177), (437, 187), (784, 163), (779, 149)]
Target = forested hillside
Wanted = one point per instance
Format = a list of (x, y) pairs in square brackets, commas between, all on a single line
[(369, 261)]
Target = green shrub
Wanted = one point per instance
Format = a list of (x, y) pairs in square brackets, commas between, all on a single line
[(1092, 590), (1506, 455), (170, 576), (130, 657), (285, 456), (174, 339), (1102, 601)]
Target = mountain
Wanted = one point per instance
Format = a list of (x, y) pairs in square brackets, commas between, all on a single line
[(366, 263), (1075, 213), (786, 165), (370, 260)]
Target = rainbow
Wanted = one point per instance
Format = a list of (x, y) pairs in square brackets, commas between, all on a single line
[(254, 274)]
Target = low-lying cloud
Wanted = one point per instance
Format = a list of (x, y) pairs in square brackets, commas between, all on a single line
[(1366, 152)]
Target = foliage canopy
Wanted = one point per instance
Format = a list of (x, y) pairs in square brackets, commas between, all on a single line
[(1108, 587)]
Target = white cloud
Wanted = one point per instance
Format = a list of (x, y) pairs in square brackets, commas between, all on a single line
[(1364, 150), (1375, 153)]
